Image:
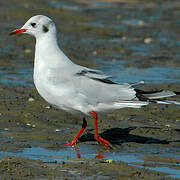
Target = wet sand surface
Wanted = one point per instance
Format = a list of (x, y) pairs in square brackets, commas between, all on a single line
[(129, 40)]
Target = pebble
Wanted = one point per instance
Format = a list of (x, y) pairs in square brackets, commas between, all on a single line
[(27, 51), (141, 23), (114, 60), (108, 161), (148, 40), (31, 99), (47, 107), (32, 125), (124, 38), (94, 52), (27, 114)]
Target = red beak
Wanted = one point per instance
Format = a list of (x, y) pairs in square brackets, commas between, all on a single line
[(17, 31)]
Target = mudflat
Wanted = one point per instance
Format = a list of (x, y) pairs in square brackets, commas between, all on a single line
[(146, 141)]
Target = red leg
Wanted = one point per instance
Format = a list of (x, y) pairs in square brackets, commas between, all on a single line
[(73, 142), (99, 139)]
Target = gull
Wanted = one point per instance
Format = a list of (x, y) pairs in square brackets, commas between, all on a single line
[(75, 88)]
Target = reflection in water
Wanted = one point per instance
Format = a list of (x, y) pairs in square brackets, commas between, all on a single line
[(84, 152)]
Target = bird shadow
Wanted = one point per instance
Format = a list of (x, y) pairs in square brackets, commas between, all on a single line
[(117, 136)]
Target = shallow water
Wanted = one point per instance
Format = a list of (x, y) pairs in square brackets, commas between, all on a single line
[(16, 76), (139, 25), (115, 70), (129, 60), (148, 75), (84, 152)]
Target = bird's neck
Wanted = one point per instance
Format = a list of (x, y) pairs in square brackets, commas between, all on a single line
[(47, 51)]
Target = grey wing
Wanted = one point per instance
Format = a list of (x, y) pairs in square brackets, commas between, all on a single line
[(90, 72), (100, 89), (87, 89)]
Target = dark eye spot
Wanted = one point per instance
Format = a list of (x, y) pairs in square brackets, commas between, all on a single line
[(45, 29), (33, 25)]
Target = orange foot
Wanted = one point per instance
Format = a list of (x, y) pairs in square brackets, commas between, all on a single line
[(105, 142), (72, 143)]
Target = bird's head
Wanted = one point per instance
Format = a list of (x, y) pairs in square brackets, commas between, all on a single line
[(37, 26)]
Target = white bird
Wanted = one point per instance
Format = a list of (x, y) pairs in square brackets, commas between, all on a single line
[(72, 87)]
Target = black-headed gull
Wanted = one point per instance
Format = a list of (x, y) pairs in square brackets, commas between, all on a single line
[(73, 87)]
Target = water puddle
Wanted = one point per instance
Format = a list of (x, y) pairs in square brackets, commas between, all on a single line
[(123, 74), (16, 76), (116, 70), (65, 5), (84, 152), (174, 172), (126, 21), (80, 6), (138, 24)]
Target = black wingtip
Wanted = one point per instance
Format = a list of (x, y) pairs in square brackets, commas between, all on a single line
[(177, 93)]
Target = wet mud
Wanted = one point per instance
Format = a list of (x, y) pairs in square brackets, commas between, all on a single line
[(27, 121), (99, 34)]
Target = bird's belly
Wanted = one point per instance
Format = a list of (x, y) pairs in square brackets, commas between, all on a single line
[(62, 97), (50, 93)]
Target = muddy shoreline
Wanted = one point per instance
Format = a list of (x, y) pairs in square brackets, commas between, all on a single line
[(27, 121), (131, 37)]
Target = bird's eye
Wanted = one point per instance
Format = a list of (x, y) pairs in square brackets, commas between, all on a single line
[(33, 25)]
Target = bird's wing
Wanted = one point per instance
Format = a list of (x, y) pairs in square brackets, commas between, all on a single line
[(90, 83), (97, 86), (95, 75), (80, 87)]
